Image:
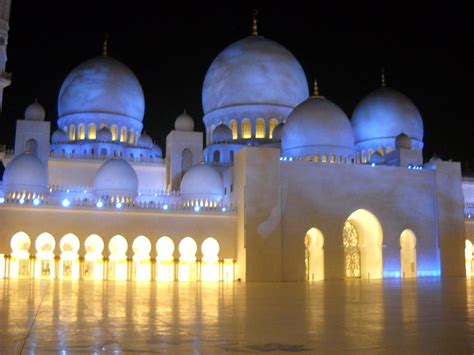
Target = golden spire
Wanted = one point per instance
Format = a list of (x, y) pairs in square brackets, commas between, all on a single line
[(105, 45), (254, 23), (315, 88), (383, 77)]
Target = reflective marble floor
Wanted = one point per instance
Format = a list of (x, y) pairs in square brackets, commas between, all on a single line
[(424, 316)]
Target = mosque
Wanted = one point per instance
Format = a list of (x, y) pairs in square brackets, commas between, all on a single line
[(281, 186)]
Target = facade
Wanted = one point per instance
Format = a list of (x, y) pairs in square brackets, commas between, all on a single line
[(285, 188)]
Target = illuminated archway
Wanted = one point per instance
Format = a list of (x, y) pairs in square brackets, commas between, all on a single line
[(165, 259), (94, 263), (19, 261), (141, 258), (44, 268), (187, 260), (314, 255), (118, 258), (362, 240), (69, 263), (468, 256), (210, 260), (408, 254)]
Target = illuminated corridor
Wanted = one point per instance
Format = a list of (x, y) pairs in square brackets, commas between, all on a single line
[(376, 316)]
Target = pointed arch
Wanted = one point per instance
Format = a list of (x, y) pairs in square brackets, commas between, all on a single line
[(314, 254)]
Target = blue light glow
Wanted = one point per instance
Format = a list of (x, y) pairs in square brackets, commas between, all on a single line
[(428, 273), (197, 208), (391, 274), (22, 201), (99, 204), (65, 202), (165, 207), (118, 205), (36, 201), (224, 209), (372, 165), (2, 199)]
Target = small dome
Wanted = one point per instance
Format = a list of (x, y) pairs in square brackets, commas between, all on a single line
[(145, 141), (25, 173), (377, 159), (157, 151), (59, 136), (202, 182), (116, 178), (104, 135), (184, 122), (254, 70), (221, 134), (102, 84), (382, 115), (35, 112), (317, 126), (277, 131), (403, 141)]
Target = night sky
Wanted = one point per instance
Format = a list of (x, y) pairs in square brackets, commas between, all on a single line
[(425, 52)]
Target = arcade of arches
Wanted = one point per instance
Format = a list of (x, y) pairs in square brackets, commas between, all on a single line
[(44, 264), (362, 238)]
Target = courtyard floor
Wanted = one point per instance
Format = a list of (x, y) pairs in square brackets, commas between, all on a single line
[(389, 316)]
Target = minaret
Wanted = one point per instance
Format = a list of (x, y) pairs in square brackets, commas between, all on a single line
[(5, 78)]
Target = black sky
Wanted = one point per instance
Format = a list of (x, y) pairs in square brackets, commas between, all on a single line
[(424, 48)]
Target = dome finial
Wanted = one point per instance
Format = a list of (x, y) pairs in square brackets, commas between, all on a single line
[(382, 77), (105, 45), (315, 88), (254, 23)]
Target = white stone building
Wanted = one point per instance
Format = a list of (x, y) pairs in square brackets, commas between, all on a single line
[(286, 187)]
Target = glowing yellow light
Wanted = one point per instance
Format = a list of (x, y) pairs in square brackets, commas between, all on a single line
[(44, 266), (69, 264), (468, 255), (187, 260), (228, 270), (2, 266), (118, 258), (210, 260), (20, 244), (164, 259), (94, 266), (141, 258)]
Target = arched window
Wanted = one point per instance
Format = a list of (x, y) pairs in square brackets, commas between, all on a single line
[(316, 158), (307, 157), (217, 157), (273, 124), (246, 129), (364, 157), (72, 133), (82, 132), (91, 133), (233, 128), (31, 147), (380, 150), (131, 136), (113, 130), (388, 149), (333, 158), (123, 134), (260, 128), (324, 158)]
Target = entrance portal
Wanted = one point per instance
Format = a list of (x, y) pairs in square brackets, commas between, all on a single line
[(408, 254), (314, 255)]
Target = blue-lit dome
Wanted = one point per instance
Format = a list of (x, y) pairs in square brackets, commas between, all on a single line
[(145, 141), (59, 136), (202, 182), (382, 116), (25, 173), (116, 178), (254, 70), (317, 126), (102, 84)]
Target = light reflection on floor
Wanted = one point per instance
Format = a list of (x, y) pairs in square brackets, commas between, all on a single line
[(424, 316)]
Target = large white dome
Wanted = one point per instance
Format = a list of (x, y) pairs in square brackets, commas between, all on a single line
[(383, 115), (116, 178), (102, 85), (25, 173), (254, 70), (202, 182), (317, 126)]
